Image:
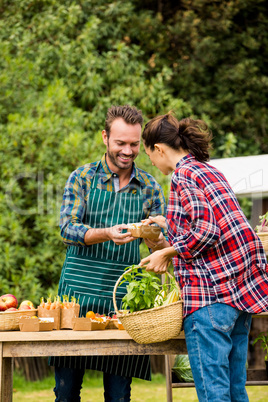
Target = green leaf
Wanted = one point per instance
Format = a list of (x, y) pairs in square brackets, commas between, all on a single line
[(182, 368)]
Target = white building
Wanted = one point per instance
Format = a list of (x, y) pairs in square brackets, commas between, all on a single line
[(248, 176)]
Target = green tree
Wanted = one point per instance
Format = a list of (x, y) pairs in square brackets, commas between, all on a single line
[(63, 64), (217, 51)]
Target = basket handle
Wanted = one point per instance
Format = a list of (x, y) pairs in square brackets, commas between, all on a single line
[(121, 277)]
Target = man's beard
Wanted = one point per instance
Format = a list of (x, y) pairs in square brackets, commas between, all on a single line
[(118, 164)]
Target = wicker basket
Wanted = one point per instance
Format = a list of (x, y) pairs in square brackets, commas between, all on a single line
[(10, 321), (264, 239), (154, 325)]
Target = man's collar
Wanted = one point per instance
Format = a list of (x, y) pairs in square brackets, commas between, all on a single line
[(106, 168), (135, 171), (137, 174)]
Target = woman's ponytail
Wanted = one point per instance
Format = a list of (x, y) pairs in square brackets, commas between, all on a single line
[(196, 138), (190, 135)]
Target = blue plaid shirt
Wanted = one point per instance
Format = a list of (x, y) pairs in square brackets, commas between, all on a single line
[(76, 191)]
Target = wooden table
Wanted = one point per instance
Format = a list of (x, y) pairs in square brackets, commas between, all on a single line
[(90, 343), (73, 343)]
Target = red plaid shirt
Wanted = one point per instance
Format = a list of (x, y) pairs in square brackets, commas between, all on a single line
[(221, 259)]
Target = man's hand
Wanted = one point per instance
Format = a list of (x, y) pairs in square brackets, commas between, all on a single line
[(115, 234)]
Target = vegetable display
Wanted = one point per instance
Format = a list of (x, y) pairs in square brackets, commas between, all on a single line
[(57, 303), (145, 290), (263, 227)]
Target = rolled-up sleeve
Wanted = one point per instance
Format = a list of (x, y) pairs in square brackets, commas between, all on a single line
[(72, 212), (193, 226)]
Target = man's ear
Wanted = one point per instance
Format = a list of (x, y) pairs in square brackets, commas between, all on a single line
[(104, 137)]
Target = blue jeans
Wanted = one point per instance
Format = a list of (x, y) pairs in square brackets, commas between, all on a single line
[(217, 344), (69, 383)]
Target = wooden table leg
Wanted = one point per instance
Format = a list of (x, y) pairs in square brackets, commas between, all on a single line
[(6, 377), (168, 378), (1, 371)]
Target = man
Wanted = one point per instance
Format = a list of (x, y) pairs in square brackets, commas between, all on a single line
[(99, 199)]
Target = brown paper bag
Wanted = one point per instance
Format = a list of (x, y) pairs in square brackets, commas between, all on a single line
[(67, 315), (86, 324), (111, 324), (144, 231), (34, 325), (29, 325), (56, 313)]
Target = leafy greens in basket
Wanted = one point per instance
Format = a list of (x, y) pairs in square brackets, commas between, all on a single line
[(146, 291), (263, 227)]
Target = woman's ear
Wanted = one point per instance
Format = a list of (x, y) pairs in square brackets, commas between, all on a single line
[(159, 148)]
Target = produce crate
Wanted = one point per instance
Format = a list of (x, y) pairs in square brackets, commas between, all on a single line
[(10, 321)]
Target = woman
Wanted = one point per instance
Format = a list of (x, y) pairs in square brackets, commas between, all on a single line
[(218, 259)]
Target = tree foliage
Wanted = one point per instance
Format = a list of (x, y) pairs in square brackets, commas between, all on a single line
[(217, 51), (64, 62)]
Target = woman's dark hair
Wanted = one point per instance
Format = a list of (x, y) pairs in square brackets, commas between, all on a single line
[(190, 135)]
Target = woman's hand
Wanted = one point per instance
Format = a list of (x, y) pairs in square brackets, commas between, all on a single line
[(158, 244), (156, 262), (159, 260), (159, 219)]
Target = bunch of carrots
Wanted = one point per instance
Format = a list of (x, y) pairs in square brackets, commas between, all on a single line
[(57, 303)]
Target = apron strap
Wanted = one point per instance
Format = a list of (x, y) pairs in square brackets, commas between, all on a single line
[(94, 180)]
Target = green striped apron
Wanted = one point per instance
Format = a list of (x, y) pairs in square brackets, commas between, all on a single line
[(89, 274)]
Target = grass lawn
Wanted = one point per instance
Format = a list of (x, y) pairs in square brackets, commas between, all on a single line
[(142, 391)]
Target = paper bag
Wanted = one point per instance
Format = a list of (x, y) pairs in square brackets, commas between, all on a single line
[(56, 313), (67, 315)]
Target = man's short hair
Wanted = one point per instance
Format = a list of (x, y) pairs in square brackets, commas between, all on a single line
[(130, 114)]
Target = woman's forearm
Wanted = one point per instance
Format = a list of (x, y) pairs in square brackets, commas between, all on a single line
[(169, 251)]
